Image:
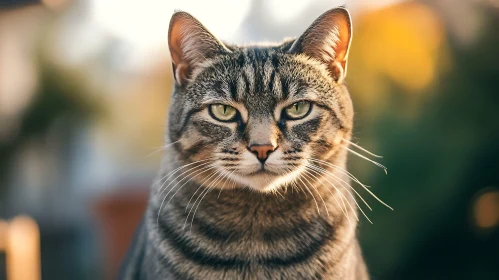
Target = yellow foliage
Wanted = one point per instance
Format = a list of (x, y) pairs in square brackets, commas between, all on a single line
[(399, 44)]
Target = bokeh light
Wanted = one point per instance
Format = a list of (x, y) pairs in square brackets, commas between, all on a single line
[(486, 209)]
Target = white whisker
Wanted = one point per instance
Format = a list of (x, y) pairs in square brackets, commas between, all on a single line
[(362, 148), (202, 184), (220, 173), (204, 169), (198, 172), (343, 209), (353, 198), (342, 181), (209, 187), (306, 187), (192, 196), (223, 187), (162, 148), (367, 189), (342, 197), (312, 185), (350, 175), (171, 181), (171, 173), (366, 158)]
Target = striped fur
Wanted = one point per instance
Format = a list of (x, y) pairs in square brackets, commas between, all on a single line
[(213, 214)]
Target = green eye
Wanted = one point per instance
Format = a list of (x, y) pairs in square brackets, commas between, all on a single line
[(224, 113), (298, 110)]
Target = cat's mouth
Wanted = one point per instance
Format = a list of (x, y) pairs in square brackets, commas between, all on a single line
[(262, 171)]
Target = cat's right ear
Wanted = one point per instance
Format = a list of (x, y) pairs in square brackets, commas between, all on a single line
[(190, 45)]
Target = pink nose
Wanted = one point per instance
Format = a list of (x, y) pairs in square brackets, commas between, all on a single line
[(262, 151)]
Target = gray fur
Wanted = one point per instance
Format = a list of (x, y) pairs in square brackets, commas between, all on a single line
[(282, 225)]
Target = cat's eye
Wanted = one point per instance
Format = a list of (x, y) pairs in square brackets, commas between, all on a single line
[(224, 113), (298, 110)]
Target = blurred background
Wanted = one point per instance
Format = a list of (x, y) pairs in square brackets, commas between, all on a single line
[(84, 92)]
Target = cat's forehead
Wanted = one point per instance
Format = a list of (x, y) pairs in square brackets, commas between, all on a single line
[(258, 77)]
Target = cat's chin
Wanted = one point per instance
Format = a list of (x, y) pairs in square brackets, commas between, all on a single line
[(267, 181)]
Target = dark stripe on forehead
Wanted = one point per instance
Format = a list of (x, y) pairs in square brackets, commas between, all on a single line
[(233, 89), (258, 54), (284, 86), (271, 80), (302, 86), (246, 83), (275, 61), (257, 72), (218, 85), (241, 60)]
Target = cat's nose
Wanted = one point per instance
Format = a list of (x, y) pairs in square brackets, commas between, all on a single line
[(262, 152)]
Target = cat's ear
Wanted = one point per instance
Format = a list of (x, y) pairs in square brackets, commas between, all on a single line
[(328, 40), (190, 45)]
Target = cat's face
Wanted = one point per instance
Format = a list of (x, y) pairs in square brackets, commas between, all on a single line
[(257, 115)]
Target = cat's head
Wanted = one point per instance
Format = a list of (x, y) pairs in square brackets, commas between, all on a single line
[(258, 115)]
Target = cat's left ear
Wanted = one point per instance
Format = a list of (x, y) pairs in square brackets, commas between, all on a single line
[(328, 40), (190, 45)]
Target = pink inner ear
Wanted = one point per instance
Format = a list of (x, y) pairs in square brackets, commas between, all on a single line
[(344, 36), (329, 36), (190, 44), (337, 70), (328, 40), (186, 37), (179, 26)]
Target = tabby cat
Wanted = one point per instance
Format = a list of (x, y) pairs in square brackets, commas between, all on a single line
[(253, 183)]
